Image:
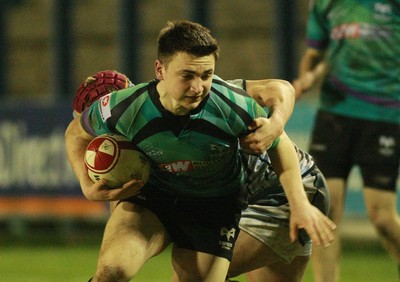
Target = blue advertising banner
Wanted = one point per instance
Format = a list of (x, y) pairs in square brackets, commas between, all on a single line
[(32, 149)]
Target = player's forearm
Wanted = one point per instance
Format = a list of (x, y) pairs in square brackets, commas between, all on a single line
[(75, 147), (281, 104), (311, 58), (286, 165), (294, 189), (275, 94), (310, 71)]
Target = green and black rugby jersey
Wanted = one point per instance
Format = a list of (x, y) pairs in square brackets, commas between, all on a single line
[(196, 154), (361, 38)]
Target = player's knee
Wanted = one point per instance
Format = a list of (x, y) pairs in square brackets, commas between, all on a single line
[(111, 274), (336, 205), (191, 274), (232, 272), (382, 220)]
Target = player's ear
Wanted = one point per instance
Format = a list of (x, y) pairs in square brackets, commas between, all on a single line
[(158, 66)]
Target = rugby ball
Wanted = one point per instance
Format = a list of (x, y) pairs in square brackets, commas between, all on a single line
[(115, 158)]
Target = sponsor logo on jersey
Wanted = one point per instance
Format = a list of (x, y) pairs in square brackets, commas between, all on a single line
[(105, 111), (179, 166), (185, 165), (360, 30), (382, 8)]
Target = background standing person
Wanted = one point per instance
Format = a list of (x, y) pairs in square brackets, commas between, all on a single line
[(358, 121)]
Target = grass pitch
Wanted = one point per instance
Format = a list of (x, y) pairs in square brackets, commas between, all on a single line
[(64, 254), (77, 262)]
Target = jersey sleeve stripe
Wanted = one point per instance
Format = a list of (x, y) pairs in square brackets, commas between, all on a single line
[(118, 110), (86, 124), (237, 90), (245, 116)]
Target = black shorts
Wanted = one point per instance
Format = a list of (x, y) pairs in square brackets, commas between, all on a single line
[(208, 225), (338, 143)]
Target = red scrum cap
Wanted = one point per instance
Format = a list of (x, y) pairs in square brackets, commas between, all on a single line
[(98, 85)]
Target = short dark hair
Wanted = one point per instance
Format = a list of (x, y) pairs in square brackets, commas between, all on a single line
[(188, 37)]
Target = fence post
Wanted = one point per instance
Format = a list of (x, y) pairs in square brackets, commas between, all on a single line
[(62, 44), (285, 35), (129, 39), (200, 12), (4, 66)]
